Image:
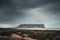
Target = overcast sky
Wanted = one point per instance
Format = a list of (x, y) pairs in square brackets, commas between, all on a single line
[(16, 12)]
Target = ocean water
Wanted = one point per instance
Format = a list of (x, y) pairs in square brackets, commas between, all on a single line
[(38, 28)]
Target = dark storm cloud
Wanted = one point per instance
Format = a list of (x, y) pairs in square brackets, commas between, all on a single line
[(10, 10), (36, 3), (5, 2)]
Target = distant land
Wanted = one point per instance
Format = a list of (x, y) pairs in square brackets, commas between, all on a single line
[(31, 26)]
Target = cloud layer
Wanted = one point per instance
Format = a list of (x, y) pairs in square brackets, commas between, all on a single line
[(15, 12)]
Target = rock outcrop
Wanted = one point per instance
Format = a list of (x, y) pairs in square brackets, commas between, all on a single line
[(31, 26)]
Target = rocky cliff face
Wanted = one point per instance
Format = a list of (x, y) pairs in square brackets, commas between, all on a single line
[(31, 26)]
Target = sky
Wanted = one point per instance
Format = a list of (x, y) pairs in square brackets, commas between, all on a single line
[(16, 12)]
